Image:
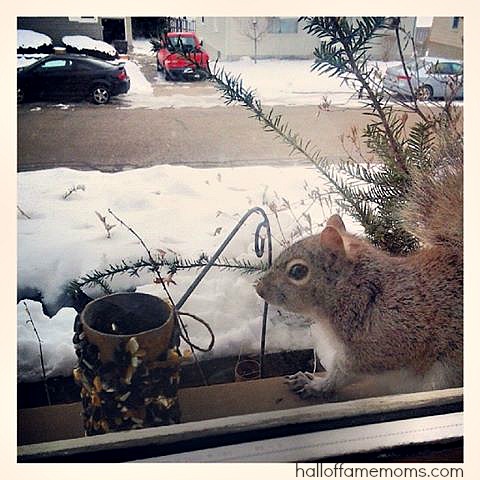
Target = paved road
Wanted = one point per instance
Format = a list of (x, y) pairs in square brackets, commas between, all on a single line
[(115, 137), (109, 139)]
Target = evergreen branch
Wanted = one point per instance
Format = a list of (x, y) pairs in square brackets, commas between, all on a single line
[(343, 52), (104, 285), (134, 268)]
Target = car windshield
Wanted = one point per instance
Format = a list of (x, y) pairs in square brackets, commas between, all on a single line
[(179, 41)]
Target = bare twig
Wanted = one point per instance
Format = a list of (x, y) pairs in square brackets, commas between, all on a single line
[(21, 212), (407, 74), (44, 375)]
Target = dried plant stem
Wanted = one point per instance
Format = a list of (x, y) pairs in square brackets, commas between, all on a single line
[(106, 225), (21, 212), (44, 375), (75, 188)]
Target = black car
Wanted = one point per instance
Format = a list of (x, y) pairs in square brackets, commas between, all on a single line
[(71, 76)]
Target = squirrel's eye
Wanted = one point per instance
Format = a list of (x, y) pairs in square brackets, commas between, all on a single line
[(298, 271)]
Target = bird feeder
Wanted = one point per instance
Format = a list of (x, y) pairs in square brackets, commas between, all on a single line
[(128, 363)]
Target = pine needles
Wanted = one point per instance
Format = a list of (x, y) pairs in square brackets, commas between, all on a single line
[(134, 268)]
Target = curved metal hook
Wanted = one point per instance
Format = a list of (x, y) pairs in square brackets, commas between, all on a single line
[(222, 247), (259, 251)]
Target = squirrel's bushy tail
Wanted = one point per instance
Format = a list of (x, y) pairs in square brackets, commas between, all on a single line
[(434, 210)]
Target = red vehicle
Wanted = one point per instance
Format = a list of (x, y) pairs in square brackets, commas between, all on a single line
[(182, 57)]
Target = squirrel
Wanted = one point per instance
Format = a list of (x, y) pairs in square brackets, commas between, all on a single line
[(396, 318)]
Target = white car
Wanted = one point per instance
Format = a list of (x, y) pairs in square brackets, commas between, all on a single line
[(430, 78)]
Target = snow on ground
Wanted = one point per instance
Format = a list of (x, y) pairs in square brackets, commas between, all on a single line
[(56, 334), (290, 82), (31, 39), (177, 209), (276, 82), (142, 46), (82, 42)]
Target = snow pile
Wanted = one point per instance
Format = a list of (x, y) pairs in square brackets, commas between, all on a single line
[(29, 39), (142, 46), (139, 85), (82, 42), (175, 209)]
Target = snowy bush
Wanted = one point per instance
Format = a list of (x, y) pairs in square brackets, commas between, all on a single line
[(29, 41), (89, 46)]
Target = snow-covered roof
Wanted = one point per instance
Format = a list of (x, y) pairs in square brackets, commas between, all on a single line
[(31, 39), (82, 42)]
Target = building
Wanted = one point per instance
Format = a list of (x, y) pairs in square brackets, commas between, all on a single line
[(446, 37), (108, 29), (422, 34), (231, 38)]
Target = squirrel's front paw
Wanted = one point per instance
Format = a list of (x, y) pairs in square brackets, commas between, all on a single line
[(307, 385)]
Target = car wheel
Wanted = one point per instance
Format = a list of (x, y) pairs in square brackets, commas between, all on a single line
[(100, 95), (168, 76), (20, 95), (424, 92)]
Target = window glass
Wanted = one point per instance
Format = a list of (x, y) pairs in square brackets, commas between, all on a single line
[(456, 68), (440, 69), (60, 63), (282, 25), (80, 65), (443, 68), (288, 25), (186, 42)]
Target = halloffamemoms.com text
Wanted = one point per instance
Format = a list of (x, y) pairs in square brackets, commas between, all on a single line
[(341, 470)]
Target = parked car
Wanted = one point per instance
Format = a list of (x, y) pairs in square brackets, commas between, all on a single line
[(71, 76), (181, 57), (430, 78)]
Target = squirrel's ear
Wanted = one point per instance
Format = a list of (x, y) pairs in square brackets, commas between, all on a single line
[(331, 240), (337, 222)]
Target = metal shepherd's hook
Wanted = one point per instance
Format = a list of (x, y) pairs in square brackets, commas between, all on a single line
[(259, 251)]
